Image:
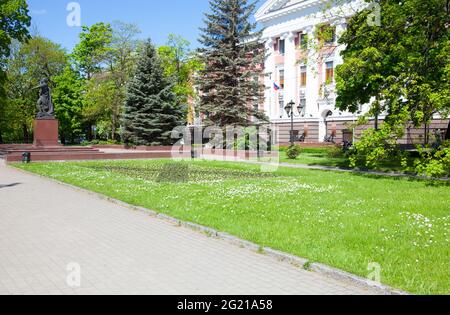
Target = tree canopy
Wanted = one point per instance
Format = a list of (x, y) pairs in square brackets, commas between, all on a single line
[(402, 67), (151, 111), (232, 57)]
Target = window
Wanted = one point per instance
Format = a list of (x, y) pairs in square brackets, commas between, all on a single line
[(331, 37), (327, 34), (281, 46), (303, 76), (281, 104), (329, 72), (303, 105), (281, 76), (303, 41)]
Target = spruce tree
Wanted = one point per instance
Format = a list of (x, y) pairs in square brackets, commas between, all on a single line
[(151, 111), (232, 55)]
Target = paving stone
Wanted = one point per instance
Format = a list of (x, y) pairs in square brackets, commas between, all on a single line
[(45, 226)]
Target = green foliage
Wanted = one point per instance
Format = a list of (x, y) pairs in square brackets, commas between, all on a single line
[(68, 101), (232, 55), (93, 48), (105, 87), (372, 66), (99, 142), (402, 64), (400, 68), (122, 59), (375, 147), (336, 152), (293, 151), (14, 23), (434, 162), (325, 34), (247, 139), (42, 59), (97, 109), (151, 110), (180, 65), (29, 62)]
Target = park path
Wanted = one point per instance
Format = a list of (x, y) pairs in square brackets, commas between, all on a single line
[(46, 227)]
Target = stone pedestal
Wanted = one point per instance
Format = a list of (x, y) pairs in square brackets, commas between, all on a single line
[(46, 133)]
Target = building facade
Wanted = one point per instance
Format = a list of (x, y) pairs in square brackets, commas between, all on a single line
[(300, 67)]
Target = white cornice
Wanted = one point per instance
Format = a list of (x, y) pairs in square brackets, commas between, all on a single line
[(263, 14)]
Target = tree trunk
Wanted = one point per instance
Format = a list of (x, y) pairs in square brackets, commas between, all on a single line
[(377, 112), (1, 137), (113, 133), (376, 122), (447, 135), (26, 134)]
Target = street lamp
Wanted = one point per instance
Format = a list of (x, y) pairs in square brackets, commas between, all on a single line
[(291, 114)]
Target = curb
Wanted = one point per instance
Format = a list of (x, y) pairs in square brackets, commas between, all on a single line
[(293, 260)]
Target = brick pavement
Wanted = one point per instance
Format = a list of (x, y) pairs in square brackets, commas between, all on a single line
[(44, 227)]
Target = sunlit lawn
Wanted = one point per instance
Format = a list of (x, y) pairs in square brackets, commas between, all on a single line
[(319, 157), (343, 220), (334, 157)]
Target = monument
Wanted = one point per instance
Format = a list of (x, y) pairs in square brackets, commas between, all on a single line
[(45, 124)]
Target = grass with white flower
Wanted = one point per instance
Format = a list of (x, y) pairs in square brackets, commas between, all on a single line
[(343, 220)]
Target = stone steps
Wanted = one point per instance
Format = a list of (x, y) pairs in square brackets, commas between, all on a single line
[(86, 156)]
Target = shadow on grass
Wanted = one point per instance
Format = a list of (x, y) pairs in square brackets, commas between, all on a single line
[(409, 177), (179, 172)]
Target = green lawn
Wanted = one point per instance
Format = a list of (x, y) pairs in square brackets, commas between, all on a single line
[(343, 220), (319, 156), (334, 157)]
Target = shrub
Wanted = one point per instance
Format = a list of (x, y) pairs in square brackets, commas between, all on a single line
[(375, 147), (335, 152), (434, 162), (293, 152)]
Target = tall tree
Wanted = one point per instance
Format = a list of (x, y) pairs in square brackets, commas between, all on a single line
[(151, 111), (14, 23), (92, 50), (180, 64), (402, 67), (121, 63), (68, 101), (232, 56), (30, 62)]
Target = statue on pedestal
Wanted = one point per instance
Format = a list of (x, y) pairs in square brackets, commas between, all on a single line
[(44, 104)]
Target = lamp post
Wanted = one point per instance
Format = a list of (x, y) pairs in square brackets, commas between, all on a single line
[(291, 114)]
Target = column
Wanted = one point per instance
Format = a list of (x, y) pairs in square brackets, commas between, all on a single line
[(312, 85), (290, 69), (269, 70)]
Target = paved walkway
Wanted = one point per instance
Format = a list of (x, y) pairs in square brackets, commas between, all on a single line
[(46, 227)]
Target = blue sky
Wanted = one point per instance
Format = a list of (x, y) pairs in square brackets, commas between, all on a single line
[(156, 18)]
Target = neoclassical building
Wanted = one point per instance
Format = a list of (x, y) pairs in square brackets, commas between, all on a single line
[(300, 67)]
